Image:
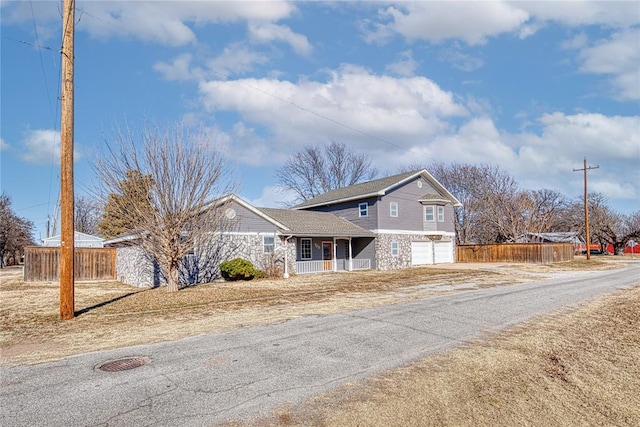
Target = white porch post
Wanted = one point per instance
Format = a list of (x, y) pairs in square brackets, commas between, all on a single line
[(350, 256), (286, 261), (335, 252)]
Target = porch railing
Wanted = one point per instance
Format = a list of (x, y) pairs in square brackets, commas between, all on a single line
[(361, 264), (310, 267)]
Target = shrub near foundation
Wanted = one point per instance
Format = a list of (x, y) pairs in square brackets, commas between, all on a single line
[(239, 269)]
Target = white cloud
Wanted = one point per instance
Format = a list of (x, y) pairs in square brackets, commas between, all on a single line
[(164, 22), (584, 12), (352, 105), (460, 60), (41, 146), (235, 59), (179, 68), (405, 65), (472, 22), (4, 145), (266, 32), (618, 56)]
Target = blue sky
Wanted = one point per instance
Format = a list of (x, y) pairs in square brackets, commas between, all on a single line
[(533, 87)]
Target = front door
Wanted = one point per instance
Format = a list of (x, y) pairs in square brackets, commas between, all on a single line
[(327, 255)]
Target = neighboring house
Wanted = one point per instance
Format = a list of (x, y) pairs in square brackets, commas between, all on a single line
[(82, 240), (389, 223), (411, 215)]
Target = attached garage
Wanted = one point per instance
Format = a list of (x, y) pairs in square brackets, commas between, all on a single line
[(421, 253), (443, 252)]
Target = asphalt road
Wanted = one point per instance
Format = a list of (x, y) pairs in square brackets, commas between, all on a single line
[(210, 378)]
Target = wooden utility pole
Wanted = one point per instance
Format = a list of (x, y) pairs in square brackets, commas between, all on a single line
[(586, 207), (67, 238)]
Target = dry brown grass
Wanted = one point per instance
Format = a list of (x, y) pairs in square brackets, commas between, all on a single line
[(578, 368), (111, 315)]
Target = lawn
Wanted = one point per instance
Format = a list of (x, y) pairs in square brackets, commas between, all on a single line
[(111, 314)]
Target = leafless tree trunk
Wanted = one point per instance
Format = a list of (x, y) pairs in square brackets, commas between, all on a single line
[(315, 170), (174, 212)]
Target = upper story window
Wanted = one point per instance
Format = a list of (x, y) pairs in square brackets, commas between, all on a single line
[(267, 244), (393, 209), (440, 213), (429, 213), (395, 248), (305, 248), (363, 209)]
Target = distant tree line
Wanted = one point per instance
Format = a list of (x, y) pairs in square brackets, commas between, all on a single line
[(15, 233), (496, 210)]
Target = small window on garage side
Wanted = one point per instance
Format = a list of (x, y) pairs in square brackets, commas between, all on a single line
[(393, 209), (305, 248), (440, 213), (363, 209), (395, 248), (267, 244), (429, 213)]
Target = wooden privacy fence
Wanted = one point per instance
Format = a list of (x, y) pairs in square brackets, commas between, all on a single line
[(516, 252), (42, 264)]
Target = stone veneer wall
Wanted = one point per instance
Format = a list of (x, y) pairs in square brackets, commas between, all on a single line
[(135, 268), (386, 261)]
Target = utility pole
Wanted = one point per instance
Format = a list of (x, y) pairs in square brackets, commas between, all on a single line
[(586, 207), (67, 238)]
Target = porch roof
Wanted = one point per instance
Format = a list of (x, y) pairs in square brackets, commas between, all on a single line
[(309, 223)]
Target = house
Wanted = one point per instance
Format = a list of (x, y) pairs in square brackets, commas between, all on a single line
[(388, 223), (573, 237), (81, 240), (411, 215)]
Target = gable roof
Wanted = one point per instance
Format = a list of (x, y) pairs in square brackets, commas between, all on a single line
[(375, 188), (301, 223)]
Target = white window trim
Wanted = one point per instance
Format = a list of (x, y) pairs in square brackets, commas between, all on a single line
[(265, 245), (440, 210), (366, 209), (433, 214), (310, 248), (397, 248), (392, 210)]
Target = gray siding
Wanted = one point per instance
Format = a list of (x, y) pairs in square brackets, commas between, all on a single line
[(364, 248), (248, 222), (350, 211), (410, 211)]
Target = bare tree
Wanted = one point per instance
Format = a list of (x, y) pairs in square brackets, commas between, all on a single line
[(15, 233), (87, 215), (316, 170), (172, 204)]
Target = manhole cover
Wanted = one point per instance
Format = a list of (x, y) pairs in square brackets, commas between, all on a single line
[(124, 364)]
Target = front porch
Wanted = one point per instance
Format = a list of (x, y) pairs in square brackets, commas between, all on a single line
[(312, 267), (323, 255)]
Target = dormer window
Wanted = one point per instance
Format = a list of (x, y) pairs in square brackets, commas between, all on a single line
[(363, 209)]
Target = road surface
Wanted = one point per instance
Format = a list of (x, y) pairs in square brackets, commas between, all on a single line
[(207, 379)]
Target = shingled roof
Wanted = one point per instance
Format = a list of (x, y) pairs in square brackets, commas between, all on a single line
[(374, 188), (308, 223)]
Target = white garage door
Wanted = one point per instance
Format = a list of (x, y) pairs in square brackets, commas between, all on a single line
[(421, 253), (443, 252)]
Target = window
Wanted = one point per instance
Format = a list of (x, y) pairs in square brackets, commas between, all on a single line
[(393, 209), (363, 208), (395, 249), (267, 244), (429, 215), (305, 248), (440, 213)]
